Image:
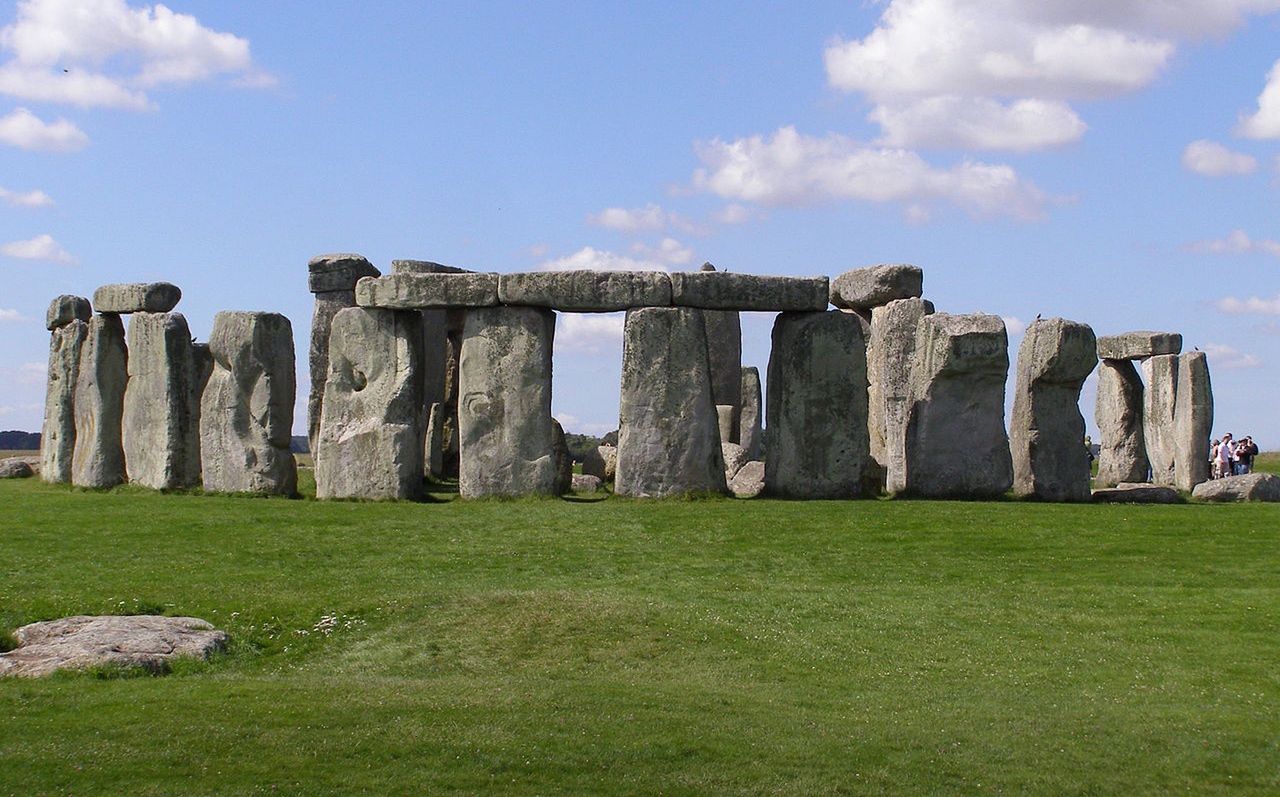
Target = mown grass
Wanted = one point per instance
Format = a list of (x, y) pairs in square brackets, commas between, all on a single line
[(622, 647)]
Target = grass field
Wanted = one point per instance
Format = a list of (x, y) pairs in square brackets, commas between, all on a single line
[(681, 647)]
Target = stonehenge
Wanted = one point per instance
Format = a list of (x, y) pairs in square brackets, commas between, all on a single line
[(160, 428), (1122, 452), (98, 458), (868, 288), (68, 321), (332, 279), (750, 417), (1160, 374), (1192, 421), (890, 348)]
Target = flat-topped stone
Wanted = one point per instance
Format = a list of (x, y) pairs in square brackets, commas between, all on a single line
[(147, 641), (423, 291), (726, 290), (1127, 493), (137, 297), (338, 272), (425, 267), (1138, 345), (586, 290), (1248, 487), (865, 288), (65, 309)]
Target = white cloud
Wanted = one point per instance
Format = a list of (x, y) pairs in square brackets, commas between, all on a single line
[(25, 199), (794, 169), (42, 247), (106, 53), (23, 129), (734, 214), (1264, 122), (1013, 325), (1211, 159), (588, 257), (978, 123), (1251, 306), (11, 315), (649, 218), (589, 333), (668, 250), (1227, 358), (1236, 242)]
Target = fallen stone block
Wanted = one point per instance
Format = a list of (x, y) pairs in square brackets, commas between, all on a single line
[(585, 483), (748, 482), (428, 291), (866, 288), (16, 468), (1125, 493), (586, 290), (735, 456), (1138, 345), (65, 309), (137, 297), (1249, 487), (72, 643), (724, 290), (601, 461)]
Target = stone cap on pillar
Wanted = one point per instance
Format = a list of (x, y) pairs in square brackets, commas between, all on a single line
[(425, 267), (1138, 345), (586, 290), (726, 290), (65, 309), (137, 297), (428, 291), (867, 288), (338, 272)]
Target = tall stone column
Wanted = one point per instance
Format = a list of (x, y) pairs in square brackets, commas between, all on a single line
[(750, 418), (332, 279), (98, 460), (68, 321), (724, 352), (1047, 430), (1122, 453), (1158, 416), (668, 437), (816, 434), (160, 431), (889, 351), (507, 438), (1193, 421)]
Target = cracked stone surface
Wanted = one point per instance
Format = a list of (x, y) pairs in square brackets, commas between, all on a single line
[(147, 641)]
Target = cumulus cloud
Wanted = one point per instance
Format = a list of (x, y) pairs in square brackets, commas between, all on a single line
[(734, 214), (25, 199), (1251, 306), (1223, 356), (1211, 159), (978, 123), (42, 247), (589, 333), (649, 218), (11, 315), (22, 129), (112, 53), (668, 250), (1236, 242), (588, 257), (790, 168), (1264, 122)]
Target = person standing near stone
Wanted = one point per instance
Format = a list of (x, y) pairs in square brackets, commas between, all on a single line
[(68, 321)]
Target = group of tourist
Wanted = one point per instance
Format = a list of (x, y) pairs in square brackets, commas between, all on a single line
[(1228, 457)]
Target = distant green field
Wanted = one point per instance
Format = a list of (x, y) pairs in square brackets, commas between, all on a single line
[(675, 647)]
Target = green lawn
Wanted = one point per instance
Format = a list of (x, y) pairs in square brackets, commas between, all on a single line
[(678, 647)]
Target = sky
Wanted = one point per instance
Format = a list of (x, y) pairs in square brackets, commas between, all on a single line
[(1115, 163)]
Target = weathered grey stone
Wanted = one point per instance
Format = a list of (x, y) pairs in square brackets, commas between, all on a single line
[(58, 433), (735, 456), (507, 436), (160, 431), (724, 290), (748, 482), (371, 423), (816, 432), (585, 483), (890, 346), (98, 460), (1046, 431), (1249, 487), (866, 288), (586, 290), (750, 433), (1122, 453), (1129, 493), (246, 417), (956, 445), (65, 309), (1138, 345), (726, 422), (146, 641), (563, 459), (137, 297), (1192, 421), (601, 461), (16, 468), (427, 291), (668, 442), (327, 305), (435, 352), (338, 272), (724, 353), (433, 455), (1159, 423), (424, 267)]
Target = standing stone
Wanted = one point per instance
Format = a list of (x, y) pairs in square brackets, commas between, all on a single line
[(455, 321), (749, 415), (563, 458), (1193, 421), (1122, 453), (724, 350), (160, 431), (817, 406), (332, 278), (726, 420), (433, 453), (99, 405), (956, 445), (58, 434), (246, 417), (371, 420), (1047, 430), (1158, 416), (435, 357), (65, 309), (506, 435), (668, 441), (601, 461), (890, 347)]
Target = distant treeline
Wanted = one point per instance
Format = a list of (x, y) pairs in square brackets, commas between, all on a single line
[(19, 441)]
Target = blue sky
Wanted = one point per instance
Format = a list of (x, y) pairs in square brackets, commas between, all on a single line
[(1113, 163)]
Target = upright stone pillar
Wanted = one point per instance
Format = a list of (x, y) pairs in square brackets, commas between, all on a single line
[(1158, 416), (668, 439), (67, 319), (724, 350), (370, 443), (332, 278), (98, 460), (1193, 421), (506, 434), (816, 433), (1047, 429), (750, 433), (1122, 453), (956, 445), (889, 351), (160, 432), (246, 418)]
